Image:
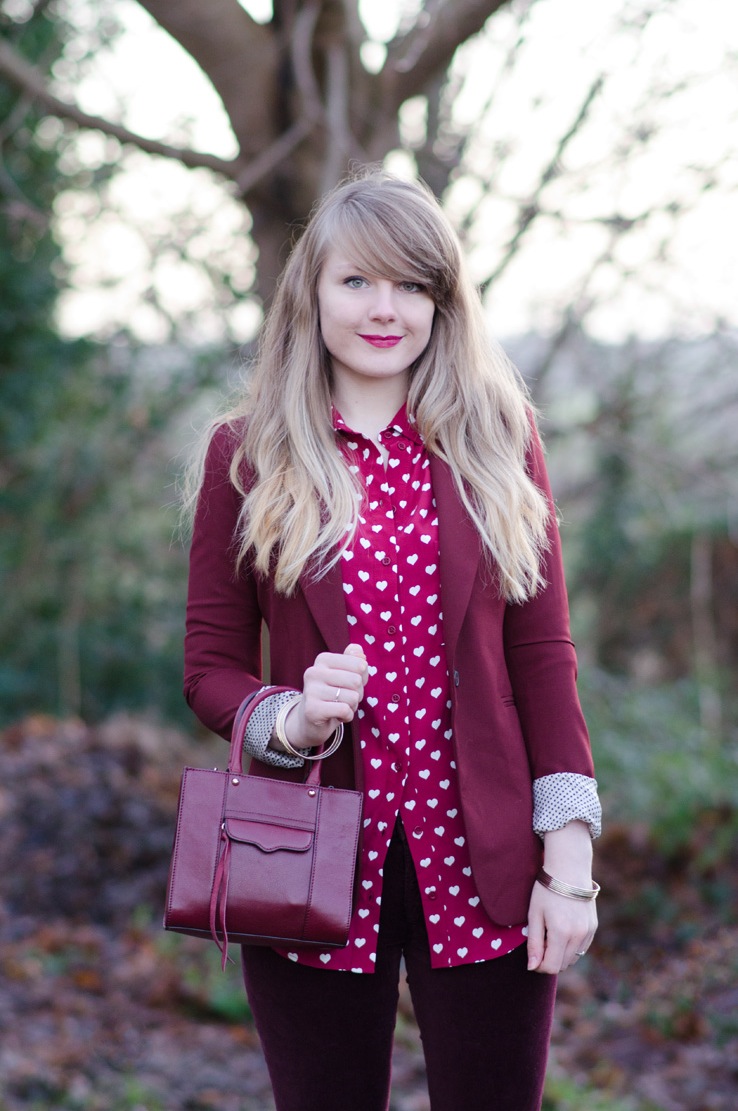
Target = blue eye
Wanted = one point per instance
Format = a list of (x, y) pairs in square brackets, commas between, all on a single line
[(355, 282), (412, 287)]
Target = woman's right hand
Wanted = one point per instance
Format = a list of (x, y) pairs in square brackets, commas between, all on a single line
[(333, 687)]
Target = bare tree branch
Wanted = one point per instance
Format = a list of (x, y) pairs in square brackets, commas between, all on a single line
[(236, 54), (530, 210), (253, 173), (303, 32), (428, 48), (30, 82), (340, 141)]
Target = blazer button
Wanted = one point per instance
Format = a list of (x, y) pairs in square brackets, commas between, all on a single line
[(456, 678)]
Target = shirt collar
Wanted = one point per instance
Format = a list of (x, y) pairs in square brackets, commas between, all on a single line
[(402, 423)]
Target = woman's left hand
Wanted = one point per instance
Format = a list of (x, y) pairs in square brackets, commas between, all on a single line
[(560, 929)]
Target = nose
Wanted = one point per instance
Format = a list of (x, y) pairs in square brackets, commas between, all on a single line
[(383, 302)]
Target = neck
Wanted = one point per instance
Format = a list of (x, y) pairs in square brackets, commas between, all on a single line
[(368, 407)]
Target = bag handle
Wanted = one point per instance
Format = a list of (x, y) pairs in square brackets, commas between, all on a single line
[(243, 715)]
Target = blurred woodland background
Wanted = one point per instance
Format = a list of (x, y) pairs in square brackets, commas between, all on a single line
[(156, 159)]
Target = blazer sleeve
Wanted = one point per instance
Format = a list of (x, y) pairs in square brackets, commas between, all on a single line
[(223, 624), (541, 660)]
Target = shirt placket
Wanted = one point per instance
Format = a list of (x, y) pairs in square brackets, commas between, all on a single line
[(393, 718), (383, 726)]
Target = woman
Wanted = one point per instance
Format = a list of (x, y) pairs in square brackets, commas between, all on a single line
[(380, 502)]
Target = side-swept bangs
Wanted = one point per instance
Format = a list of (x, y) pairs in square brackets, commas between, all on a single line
[(405, 241)]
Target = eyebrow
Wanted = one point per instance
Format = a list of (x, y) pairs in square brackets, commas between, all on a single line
[(351, 264)]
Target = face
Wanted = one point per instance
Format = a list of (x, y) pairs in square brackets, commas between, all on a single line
[(374, 328)]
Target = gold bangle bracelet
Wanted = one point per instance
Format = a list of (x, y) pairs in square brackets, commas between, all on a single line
[(566, 889), (301, 754), (279, 730)]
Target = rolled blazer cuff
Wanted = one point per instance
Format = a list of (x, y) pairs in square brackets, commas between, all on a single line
[(566, 797), (260, 728)]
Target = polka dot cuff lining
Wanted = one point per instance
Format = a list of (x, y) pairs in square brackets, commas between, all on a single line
[(566, 797), (260, 728)]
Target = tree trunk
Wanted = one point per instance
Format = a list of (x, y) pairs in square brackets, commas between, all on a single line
[(706, 660)]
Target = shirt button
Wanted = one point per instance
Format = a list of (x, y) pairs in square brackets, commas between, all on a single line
[(386, 561), (418, 831), (432, 893), (396, 766), (395, 698), (391, 629)]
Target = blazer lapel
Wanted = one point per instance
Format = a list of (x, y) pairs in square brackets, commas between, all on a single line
[(460, 549), (327, 604), (460, 552)]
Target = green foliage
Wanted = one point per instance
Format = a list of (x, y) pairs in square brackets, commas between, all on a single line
[(131, 1096), (205, 987), (92, 579), (656, 766), (562, 1094)]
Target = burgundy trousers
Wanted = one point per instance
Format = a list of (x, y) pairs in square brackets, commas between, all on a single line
[(327, 1036)]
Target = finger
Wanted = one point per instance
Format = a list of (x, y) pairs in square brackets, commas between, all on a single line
[(356, 652), (554, 959), (555, 945), (583, 947), (349, 661), (536, 941), (582, 940), (323, 714), (354, 670), (324, 703), (342, 707), (574, 947), (352, 659), (342, 687), (327, 682)]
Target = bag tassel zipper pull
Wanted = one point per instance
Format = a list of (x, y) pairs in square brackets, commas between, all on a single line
[(219, 900)]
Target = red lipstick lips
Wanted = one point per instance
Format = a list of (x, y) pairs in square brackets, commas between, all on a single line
[(381, 341)]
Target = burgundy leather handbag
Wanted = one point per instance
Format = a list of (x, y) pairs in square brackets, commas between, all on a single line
[(262, 861)]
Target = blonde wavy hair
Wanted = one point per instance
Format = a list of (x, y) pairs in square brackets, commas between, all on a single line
[(301, 503)]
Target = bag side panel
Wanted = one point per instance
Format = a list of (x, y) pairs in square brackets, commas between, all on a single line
[(196, 847), (328, 913)]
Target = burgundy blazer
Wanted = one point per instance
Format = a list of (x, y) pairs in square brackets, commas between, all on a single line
[(516, 715)]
